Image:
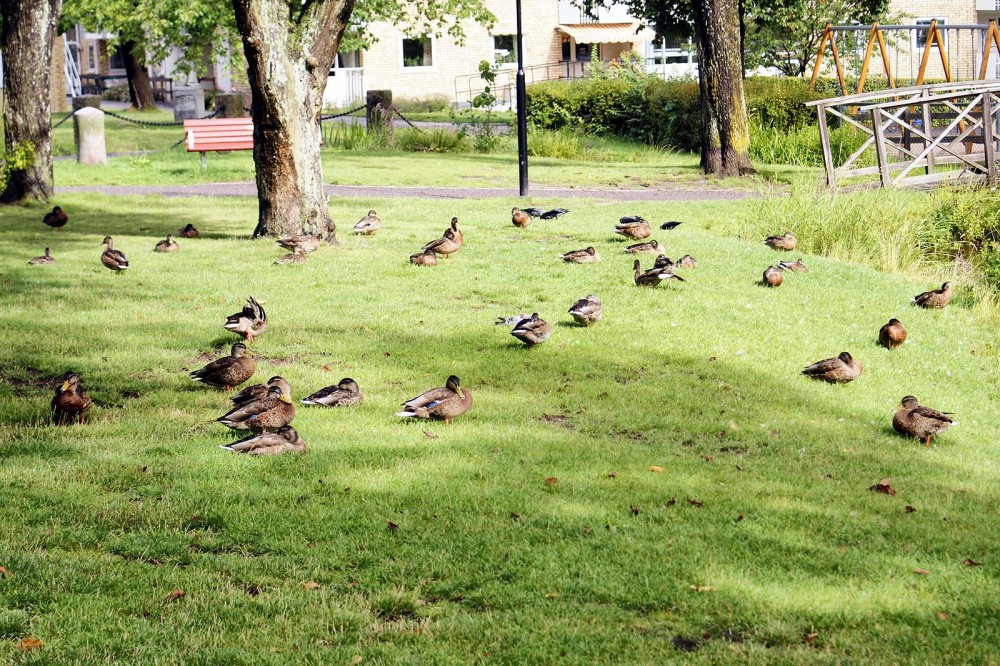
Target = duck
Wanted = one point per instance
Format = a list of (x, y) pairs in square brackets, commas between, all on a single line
[(259, 391), (444, 403), (511, 321), (284, 440), (250, 322), (167, 245), (228, 371), (784, 242), (70, 402), (533, 212), (892, 334), (634, 230), (837, 370), (588, 255), (519, 218), (553, 214), (631, 219), (669, 226), (369, 224), (345, 393), (42, 260), (113, 259), (296, 256), (663, 261), (300, 242), (935, 299), (424, 258), (56, 218), (649, 247), (269, 413), (449, 243), (532, 331), (772, 277), (918, 422), (187, 231), (654, 276), (793, 266), (687, 261), (587, 311)]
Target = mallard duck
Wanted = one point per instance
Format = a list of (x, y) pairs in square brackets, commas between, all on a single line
[(533, 212), (892, 334), (687, 261), (519, 218), (250, 322), (284, 440), (259, 391), (532, 331), (187, 231), (654, 276), (267, 414), (228, 371), (444, 403), (296, 256), (56, 218), (553, 214), (838, 370), (934, 299), (919, 422), (511, 321), (784, 242), (369, 224), (649, 247), (300, 242), (42, 260), (345, 393), (167, 245), (587, 255), (71, 402), (587, 310), (794, 266), (449, 243), (634, 230), (772, 277), (668, 226), (424, 258), (663, 261), (112, 258)]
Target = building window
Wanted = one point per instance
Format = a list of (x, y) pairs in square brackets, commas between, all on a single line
[(505, 49), (91, 58), (418, 52), (116, 59), (922, 34)]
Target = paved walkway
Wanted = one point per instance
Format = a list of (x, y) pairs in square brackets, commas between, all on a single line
[(247, 189)]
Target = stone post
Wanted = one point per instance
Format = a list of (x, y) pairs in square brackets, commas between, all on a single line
[(229, 105), (377, 113), (83, 101), (189, 102), (88, 131)]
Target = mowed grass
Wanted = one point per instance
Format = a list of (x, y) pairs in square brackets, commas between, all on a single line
[(758, 542)]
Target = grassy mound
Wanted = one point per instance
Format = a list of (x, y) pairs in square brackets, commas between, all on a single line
[(759, 539)]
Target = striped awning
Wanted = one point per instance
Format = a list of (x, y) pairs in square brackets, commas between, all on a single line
[(607, 33)]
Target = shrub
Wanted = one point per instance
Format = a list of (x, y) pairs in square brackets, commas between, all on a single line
[(431, 141), (18, 159), (560, 144), (427, 104)]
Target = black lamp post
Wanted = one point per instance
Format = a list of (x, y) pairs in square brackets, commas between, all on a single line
[(522, 113)]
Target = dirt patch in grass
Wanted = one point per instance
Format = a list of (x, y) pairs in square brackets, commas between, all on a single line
[(26, 380)]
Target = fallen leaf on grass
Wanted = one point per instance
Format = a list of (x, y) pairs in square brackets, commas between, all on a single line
[(634, 509), (430, 434), (515, 516), (29, 643), (810, 637), (703, 588), (695, 502), (551, 481), (174, 596), (392, 526), (968, 562), (884, 486), (910, 509), (355, 660), (707, 457), (921, 572), (612, 475), (310, 585), (4, 571), (670, 502), (656, 469), (941, 615), (326, 368), (685, 644), (552, 595)]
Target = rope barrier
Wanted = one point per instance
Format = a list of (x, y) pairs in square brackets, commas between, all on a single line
[(341, 115), (68, 116), (406, 120)]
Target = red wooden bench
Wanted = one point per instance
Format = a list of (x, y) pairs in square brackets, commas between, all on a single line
[(218, 134)]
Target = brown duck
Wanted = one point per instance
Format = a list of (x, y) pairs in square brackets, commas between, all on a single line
[(532, 331), (450, 243), (587, 255), (837, 370), (785, 242), (167, 245), (301, 242), (934, 299), (250, 322), (345, 393), (445, 403), (187, 231), (687, 261), (424, 258), (636, 230), (71, 402), (296, 256), (519, 218), (919, 422), (649, 247), (56, 219), (772, 277), (587, 311), (267, 414), (228, 371), (259, 391), (113, 259), (284, 440), (794, 266), (654, 276), (368, 225), (892, 334), (42, 260)]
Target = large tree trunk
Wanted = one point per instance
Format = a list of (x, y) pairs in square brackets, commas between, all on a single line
[(140, 88), (288, 59), (29, 27), (725, 129)]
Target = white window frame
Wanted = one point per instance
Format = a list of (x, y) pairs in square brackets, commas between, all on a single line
[(417, 68), (927, 22), (93, 66), (505, 65)]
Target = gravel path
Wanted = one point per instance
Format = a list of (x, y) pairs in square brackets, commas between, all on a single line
[(245, 189)]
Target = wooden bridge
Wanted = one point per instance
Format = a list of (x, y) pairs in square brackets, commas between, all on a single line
[(944, 132)]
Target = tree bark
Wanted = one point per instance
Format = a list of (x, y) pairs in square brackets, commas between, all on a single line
[(29, 28), (725, 128), (289, 53), (140, 88)]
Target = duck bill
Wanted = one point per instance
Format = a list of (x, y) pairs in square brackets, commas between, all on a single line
[(64, 387), (461, 394), (286, 399)]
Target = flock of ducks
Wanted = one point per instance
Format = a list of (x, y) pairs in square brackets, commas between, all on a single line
[(267, 410)]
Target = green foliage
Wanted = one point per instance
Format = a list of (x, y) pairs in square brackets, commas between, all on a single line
[(435, 140), (559, 144), (426, 104), (14, 623), (19, 159), (481, 118)]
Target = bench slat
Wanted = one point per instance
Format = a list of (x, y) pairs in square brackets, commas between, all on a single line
[(222, 134)]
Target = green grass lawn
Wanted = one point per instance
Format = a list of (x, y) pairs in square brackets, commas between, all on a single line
[(786, 558)]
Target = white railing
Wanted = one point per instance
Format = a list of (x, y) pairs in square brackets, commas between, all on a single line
[(74, 87), (344, 87)]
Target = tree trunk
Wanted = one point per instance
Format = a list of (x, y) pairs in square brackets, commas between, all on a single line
[(288, 59), (725, 128), (140, 88), (29, 27)]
